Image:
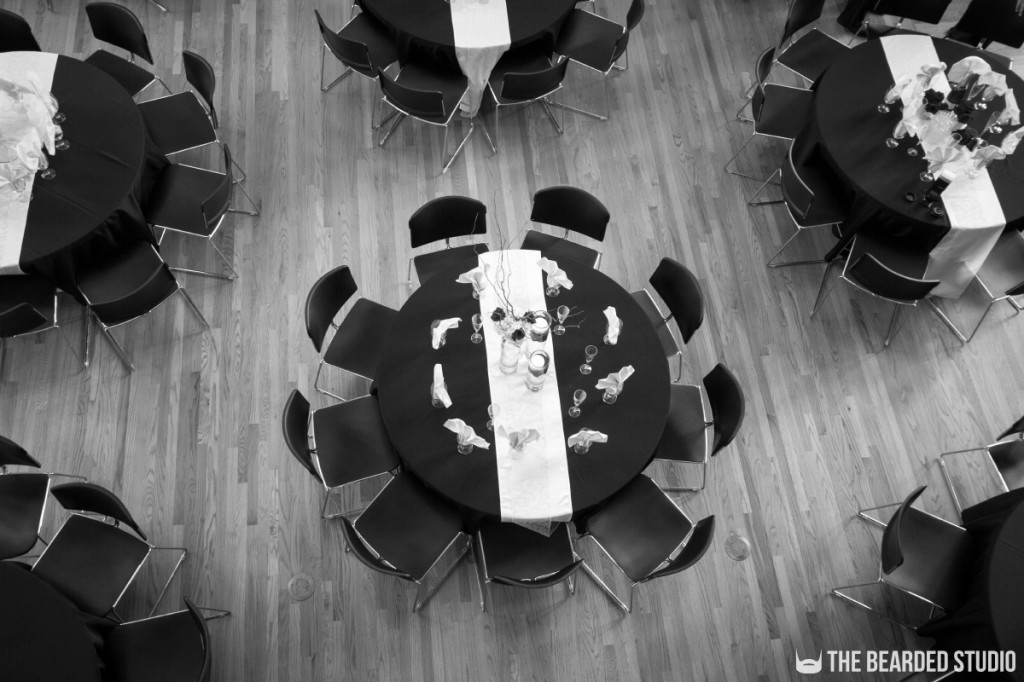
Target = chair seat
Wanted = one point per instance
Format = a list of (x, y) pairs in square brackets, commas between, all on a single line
[(409, 526), (22, 500), (938, 560), (429, 264), (1004, 268), (16, 290), (661, 326), (786, 111), (91, 563), (131, 77), (365, 29), (356, 346), (131, 283), (812, 54), (177, 197), (557, 248), (685, 438), (352, 442), (588, 39), (517, 553), (909, 262), (452, 87), (515, 61), (167, 648), (177, 122), (639, 528)]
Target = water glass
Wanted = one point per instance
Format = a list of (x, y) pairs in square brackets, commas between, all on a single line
[(611, 394), (577, 399), (541, 326), (562, 313), (492, 412), (478, 324), (581, 448), (537, 370), (464, 446), (590, 352), (553, 290)]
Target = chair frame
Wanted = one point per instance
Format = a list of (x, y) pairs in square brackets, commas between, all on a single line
[(757, 134), (666, 319), (604, 81), (54, 325), (50, 475), (709, 424), (131, 55), (545, 103), (1008, 296), (987, 449)]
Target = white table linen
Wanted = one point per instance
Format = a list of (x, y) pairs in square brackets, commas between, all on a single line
[(481, 37)]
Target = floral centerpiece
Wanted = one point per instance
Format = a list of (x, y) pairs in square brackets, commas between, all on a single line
[(27, 127)]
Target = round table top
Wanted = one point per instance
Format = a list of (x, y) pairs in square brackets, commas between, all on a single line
[(852, 134), (42, 638), (634, 424), (1005, 588)]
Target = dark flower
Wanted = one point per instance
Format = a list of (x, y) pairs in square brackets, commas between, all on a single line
[(517, 335), (934, 97), (530, 317), (498, 315)]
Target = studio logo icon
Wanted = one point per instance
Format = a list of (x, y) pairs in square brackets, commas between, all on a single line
[(807, 666)]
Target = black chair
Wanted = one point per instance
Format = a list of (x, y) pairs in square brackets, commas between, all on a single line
[(681, 292), (132, 282), (445, 218), (28, 305), (598, 44), (779, 112), (1004, 456), (922, 555), (889, 271), (640, 530), (991, 21), (527, 77), (690, 437), (519, 557), (357, 341), (92, 559), (115, 24), (172, 647), (1001, 276), (405, 532), (16, 34), (571, 209), (926, 11), (1015, 428), (350, 443), (431, 96), (193, 201), (809, 55)]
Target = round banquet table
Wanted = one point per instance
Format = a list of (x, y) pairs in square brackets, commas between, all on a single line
[(851, 135), (42, 637), (423, 28), (94, 204), (633, 424)]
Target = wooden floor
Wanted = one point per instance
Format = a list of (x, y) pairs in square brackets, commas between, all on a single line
[(192, 443)]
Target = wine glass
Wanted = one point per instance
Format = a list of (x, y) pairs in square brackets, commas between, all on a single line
[(478, 323), (492, 412), (58, 117), (577, 399), (590, 352), (464, 446), (883, 108), (553, 290), (611, 394), (562, 313)]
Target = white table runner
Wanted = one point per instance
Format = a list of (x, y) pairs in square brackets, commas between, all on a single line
[(16, 67), (481, 37), (533, 485), (976, 217)]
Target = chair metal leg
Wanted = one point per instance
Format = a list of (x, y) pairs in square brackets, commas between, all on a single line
[(823, 292), (255, 207), (423, 595), (88, 337), (768, 180), (69, 345), (481, 582), (863, 514), (316, 384), (343, 76), (949, 323), (892, 324), (591, 114), (117, 348), (950, 486), (733, 158), (215, 275), (546, 105), (161, 80), (409, 275), (158, 5), (487, 136), (458, 150), (195, 308), (217, 613), (983, 316), (787, 264), (170, 578), (838, 593), (607, 590), (381, 141)]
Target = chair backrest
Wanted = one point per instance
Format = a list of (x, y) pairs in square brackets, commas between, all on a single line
[(996, 20), (115, 24), (525, 87), (1007, 453), (681, 292), (928, 11), (762, 69), (199, 74), (728, 406), (351, 53), (295, 427), (795, 192), (892, 541), (16, 33), (21, 319), (204, 638), (366, 555), (1015, 427), (325, 299), (571, 208), (425, 104), (217, 204), (697, 546), (95, 499), (801, 13), (883, 281), (13, 454), (151, 286), (446, 217), (549, 580), (635, 14)]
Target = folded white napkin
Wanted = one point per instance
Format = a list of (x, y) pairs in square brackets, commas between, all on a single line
[(437, 389), (939, 157), (968, 66), (1011, 114), (439, 331), (928, 72), (465, 433), (1011, 141), (616, 379), (898, 88), (614, 325), (986, 155), (586, 436), (477, 275), (556, 276), (995, 84), (518, 438)]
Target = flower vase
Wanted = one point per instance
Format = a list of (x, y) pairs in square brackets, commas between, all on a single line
[(508, 363)]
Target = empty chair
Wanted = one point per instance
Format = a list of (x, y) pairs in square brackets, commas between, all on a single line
[(598, 44), (350, 443), (926, 11), (571, 209), (94, 556), (357, 341), (28, 305), (131, 283), (405, 532), (922, 555), (16, 33), (518, 557), (640, 530), (895, 279), (429, 95), (1001, 276), (809, 55), (445, 218), (681, 292), (692, 436), (527, 77), (1005, 456), (988, 21), (116, 25)]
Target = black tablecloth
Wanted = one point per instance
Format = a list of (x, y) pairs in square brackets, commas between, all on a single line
[(423, 28), (43, 638), (94, 204), (852, 136), (633, 424), (992, 618)]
